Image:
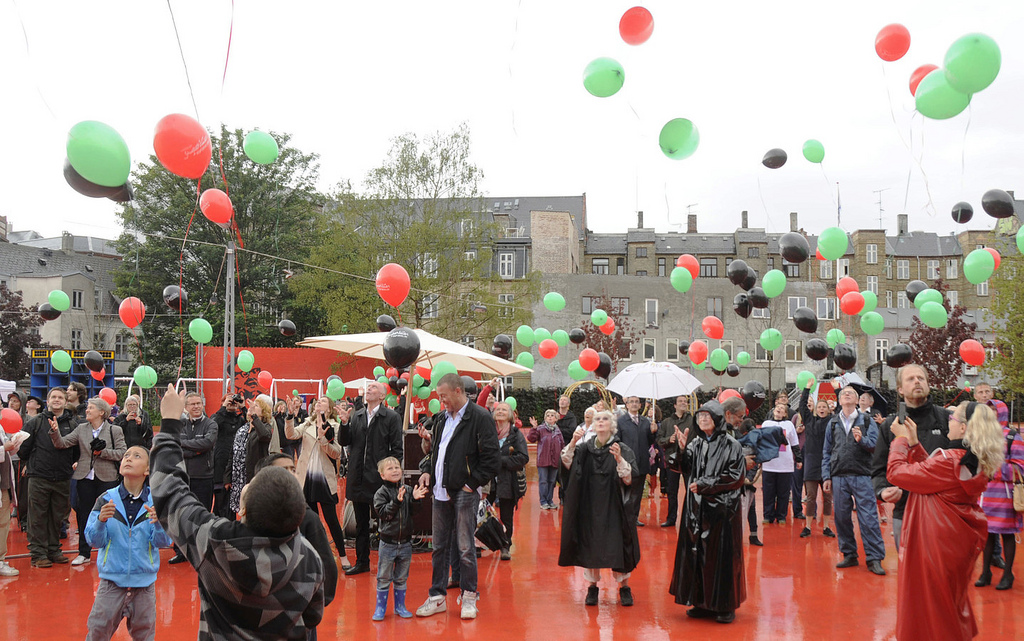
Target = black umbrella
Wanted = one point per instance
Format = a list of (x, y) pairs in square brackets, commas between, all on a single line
[(492, 534), (881, 405)]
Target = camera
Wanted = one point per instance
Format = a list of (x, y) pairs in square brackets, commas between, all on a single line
[(237, 399)]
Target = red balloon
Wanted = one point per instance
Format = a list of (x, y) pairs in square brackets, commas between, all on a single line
[(548, 348), (995, 255), (892, 42), (265, 379), (11, 420), (817, 253), (131, 311), (608, 328), (108, 395), (845, 286), (391, 371), (100, 375), (690, 263), (182, 145), (713, 327), (393, 284), (636, 26), (589, 359), (216, 206), (918, 76), (851, 303), (972, 352), (698, 352), (728, 393)]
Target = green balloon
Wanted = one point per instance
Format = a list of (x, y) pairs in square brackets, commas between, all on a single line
[(59, 300), (554, 301), (423, 393), (540, 334), (378, 371), (335, 392), (814, 151), (525, 335), (803, 378), (434, 406), (771, 340), (576, 371), (743, 359), (870, 302), (936, 99), (972, 63), (512, 402), (525, 359), (599, 317), (872, 323), (603, 77), (260, 147), (1020, 240), (773, 282), (927, 296), (978, 266), (833, 243), (440, 369), (719, 359), (834, 337), (383, 380), (99, 154), (561, 337), (144, 376), (682, 279), (200, 330), (700, 366), (245, 360), (60, 360), (417, 381), (679, 138), (933, 315), (335, 383), (391, 400)]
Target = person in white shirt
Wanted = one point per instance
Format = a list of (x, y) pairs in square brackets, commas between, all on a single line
[(777, 474)]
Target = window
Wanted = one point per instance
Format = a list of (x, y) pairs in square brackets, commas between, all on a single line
[(97, 299), (505, 308), (761, 354), (871, 253), (651, 307), (760, 312), (933, 269), (873, 284), (709, 267), (952, 268), (672, 349), (469, 255), (881, 349), (661, 267), (620, 305), (430, 306), (827, 309), (794, 303), (715, 307), (620, 266), (641, 252), (121, 342), (842, 267), (99, 340), (641, 272), (626, 349), (648, 349), (506, 265), (792, 269), (428, 265), (901, 300), (983, 289), (588, 305), (794, 351), (825, 270), (753, 252), (888, 268), (953, 297), (468, 340), (903, 269), (76, 339), (76, 300), (466, 227), (771, 262), (599, 266), (888, 299), (727, 346)]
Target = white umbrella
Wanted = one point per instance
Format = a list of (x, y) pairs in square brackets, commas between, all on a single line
[(653, 380)]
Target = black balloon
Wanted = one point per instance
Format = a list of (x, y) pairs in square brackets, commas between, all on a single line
[(758, 299), (718, 372), (385, 323), (176, 298), (816, 349), (604, 367), (899, 355), (122, 194), (401, 384), (577, 335), (286, 327), (94, 361), (753, 394), (844, 357), (805, 320), (684, 346), (750, 280), (914, 288), (997, 203), (393, 383), (502, 343), (733, 369), (47, 311), (85, 187), (793, 247), (963, 212), (401, 347), (736, 271), (741, 305), (774, 158), (469, 384)]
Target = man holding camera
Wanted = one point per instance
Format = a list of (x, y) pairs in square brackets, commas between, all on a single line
[(199, 435), (135, 424), (228, 418)]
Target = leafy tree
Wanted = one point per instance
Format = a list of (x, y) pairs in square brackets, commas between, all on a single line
[(17, 335), (277, 211), (1008, 310), (938, 349), (620, 344)]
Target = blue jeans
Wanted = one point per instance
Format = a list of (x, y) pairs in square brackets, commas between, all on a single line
[(454, 524), (846, 490), (546, 477), (393, 560)]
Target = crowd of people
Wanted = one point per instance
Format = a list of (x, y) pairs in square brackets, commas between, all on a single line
[(948, 475)]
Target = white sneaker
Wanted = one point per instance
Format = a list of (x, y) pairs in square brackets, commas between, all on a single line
[(80, 560), (432, 605), (468, 600), (6, 570)]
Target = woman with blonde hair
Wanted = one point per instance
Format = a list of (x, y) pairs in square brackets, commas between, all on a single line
[(944, 528), (252, 442), (997, 502)]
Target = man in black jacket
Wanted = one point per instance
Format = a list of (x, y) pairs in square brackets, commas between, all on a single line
[(463, 457), (135, 424), (567, 424), (228, 419), (666, 436), (638, 434), (372, 433), (198, 438)]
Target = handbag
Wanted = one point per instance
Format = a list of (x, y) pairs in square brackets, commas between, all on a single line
[(1018, 488)]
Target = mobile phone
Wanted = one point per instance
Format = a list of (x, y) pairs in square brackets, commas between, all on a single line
[(901, 412)]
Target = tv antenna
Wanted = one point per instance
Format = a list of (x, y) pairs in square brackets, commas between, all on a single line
[(878, 192)]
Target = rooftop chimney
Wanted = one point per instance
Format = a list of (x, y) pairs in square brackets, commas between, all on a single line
[(67, 243), (743, 219), (793, 224), (640, 220), (691, 224), (901, 224)]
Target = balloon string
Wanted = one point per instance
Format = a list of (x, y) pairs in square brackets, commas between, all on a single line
[(181, 279), (828, 184), (963, 148), (767, 216), (183, 63), (28, 50), (138, 345), (245, 316), (227, 56), (892, 111)]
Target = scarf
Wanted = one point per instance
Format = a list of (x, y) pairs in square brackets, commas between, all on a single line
[(502, 433)]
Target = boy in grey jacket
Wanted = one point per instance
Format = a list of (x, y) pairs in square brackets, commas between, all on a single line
[(392, 505)]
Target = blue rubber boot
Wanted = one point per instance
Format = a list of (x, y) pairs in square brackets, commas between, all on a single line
[(400, 604), (382, 605)]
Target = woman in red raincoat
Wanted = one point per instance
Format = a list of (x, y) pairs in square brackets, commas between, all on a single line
[(944, 529)]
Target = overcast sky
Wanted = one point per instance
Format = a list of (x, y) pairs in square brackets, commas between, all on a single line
[(345, 77)]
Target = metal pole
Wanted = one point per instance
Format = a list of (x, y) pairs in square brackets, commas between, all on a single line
[(229, 322)]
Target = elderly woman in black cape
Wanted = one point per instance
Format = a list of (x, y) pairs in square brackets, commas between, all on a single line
[(597, 530), (708, 572)]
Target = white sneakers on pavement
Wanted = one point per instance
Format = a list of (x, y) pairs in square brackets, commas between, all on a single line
[(431, 606), (468, 600), (80, 560), (6, 570)]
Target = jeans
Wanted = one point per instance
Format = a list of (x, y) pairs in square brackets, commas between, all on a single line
[(114, 603), (776, 487), (750, 507), (393, 561), (454, 525), (846, 489), (49, 502), (546, 477)]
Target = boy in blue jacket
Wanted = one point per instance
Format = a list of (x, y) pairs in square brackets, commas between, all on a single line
[(124, 528)]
